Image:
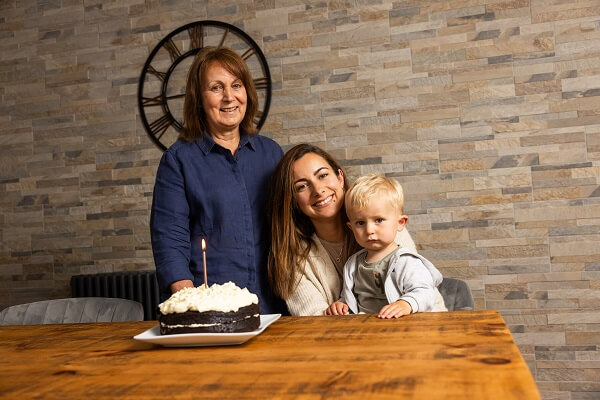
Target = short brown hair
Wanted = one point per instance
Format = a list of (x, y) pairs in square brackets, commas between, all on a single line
[(194, 117)]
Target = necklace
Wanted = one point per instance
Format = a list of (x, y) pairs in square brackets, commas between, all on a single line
[(335, 250), (338, 259)]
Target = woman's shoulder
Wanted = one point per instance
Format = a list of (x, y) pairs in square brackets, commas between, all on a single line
[(183, 151), (184, 145), (404, 239), (180, 147)]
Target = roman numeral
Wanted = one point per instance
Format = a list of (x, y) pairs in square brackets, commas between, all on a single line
[(196, 34), (158, 100), (160, 75), (160, 126), (174, 52), (260, 83), (248, 53), (223, 38), (152, 101)]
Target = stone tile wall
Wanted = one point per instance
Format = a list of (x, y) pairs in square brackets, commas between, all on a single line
[(487, 111)]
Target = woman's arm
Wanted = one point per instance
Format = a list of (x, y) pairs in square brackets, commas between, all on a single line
[(177, 286), (319, 285), (307, 299), (169, 226)]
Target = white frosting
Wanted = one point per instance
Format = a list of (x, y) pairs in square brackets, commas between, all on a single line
[(225, 298)]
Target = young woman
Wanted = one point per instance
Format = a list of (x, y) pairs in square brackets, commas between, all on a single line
[(310, 241)]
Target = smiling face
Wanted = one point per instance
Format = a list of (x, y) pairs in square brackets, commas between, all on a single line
[(223, 100), (318, 188), (375, 226)]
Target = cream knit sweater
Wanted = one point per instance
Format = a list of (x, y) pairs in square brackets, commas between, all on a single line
[(321, 283)]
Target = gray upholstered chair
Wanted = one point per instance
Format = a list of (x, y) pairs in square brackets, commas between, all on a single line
[(457, 294), (73, 310)]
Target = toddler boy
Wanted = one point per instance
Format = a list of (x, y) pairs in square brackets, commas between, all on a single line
[(384, 278)]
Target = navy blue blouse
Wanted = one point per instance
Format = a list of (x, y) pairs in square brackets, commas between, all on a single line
[(203, 191)]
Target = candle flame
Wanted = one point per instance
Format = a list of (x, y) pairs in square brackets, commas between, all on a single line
[(203, 244)]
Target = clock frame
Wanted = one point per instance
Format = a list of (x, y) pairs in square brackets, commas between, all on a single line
[(161, 88)]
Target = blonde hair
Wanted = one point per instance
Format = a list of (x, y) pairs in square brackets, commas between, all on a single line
[(367, 187)]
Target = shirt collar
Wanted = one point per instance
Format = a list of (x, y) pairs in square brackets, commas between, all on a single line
[(207, 143)]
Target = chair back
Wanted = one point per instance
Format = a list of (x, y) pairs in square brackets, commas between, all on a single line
[(73, 310), (457, 294)]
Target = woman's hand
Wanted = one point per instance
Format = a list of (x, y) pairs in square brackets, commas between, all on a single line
[(395, 310), (337, 308), (178, 285)]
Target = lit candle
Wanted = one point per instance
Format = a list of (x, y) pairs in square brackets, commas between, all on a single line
[(204, 262)]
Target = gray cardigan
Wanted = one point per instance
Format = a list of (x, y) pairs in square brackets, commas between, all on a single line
[(410, 277)]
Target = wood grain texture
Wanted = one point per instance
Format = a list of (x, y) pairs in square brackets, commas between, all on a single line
[(423, 356)]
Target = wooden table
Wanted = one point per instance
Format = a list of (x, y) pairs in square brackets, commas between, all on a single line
[(455, 355)]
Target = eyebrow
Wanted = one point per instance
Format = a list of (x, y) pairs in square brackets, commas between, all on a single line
[(314, 173), (221, 81)]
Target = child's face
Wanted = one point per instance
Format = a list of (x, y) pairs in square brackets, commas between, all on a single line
[(375, 225)]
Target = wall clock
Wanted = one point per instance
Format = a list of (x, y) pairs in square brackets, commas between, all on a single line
[(161, 88)]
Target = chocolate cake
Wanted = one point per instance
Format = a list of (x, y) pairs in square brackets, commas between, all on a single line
[(218, 309)]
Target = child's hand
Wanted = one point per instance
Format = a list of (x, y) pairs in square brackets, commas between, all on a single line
[(394, 310), (337, 308)]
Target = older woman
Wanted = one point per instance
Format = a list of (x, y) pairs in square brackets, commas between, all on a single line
[(211, 184), (310, 240)]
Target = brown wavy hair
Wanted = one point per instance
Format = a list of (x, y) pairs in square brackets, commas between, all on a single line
[(291, 229), (194, 117)]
